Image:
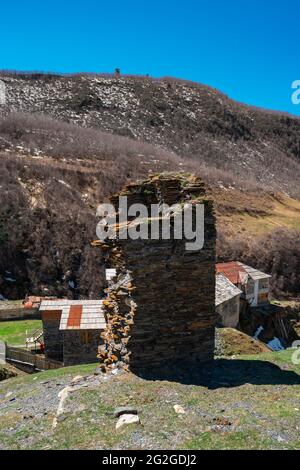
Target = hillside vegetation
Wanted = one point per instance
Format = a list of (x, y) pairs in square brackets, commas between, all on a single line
[(68, 142), (15, 333), (190, 119)]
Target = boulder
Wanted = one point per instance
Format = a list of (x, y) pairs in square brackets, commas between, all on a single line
[(179, 409), (126, 419)]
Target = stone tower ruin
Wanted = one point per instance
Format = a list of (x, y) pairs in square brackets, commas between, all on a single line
[(160, 309)]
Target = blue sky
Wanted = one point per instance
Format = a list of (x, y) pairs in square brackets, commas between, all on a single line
[(248, 49)]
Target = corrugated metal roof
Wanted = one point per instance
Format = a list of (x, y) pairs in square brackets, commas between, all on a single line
[(254, 273), (233, 270), (78, 314), (225, 290)]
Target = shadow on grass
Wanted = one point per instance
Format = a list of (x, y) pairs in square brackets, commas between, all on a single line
[(223, 373)]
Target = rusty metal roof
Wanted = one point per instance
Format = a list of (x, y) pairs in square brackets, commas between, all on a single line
[(78, 314), (234, 271), (74, 317)]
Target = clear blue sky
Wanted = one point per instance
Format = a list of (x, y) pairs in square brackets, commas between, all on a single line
[(248, 49)]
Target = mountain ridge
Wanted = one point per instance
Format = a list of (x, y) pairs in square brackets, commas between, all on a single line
[(189, 119), (67, 144)]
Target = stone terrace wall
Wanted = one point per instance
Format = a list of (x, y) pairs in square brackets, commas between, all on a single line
[(161, 312), (18, 313)]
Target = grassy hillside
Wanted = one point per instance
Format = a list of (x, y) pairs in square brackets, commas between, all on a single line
[(247, 403), (15, 333), (253, 213), (47, 218)]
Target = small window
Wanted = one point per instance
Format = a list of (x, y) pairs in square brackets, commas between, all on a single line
[(264, 284), (85, 336)]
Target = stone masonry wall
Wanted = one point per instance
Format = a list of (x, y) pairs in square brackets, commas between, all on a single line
[(53, 336), (80, 346), (161, 311)]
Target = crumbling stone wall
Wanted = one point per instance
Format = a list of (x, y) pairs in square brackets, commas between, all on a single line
[(161, 311)]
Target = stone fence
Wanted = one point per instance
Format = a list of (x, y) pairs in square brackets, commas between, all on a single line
[(10, 313)]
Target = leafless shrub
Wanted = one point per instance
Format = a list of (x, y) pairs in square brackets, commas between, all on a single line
[(60, 139), (277, 253)]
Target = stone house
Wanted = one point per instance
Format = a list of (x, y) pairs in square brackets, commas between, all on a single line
[(227, 302), (257, 287), (253, 283), (72, 330)]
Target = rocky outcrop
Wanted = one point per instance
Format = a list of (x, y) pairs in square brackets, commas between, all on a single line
[(160, 313)]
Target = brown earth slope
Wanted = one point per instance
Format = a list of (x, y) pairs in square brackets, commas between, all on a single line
[(53, 174), (190, 119)]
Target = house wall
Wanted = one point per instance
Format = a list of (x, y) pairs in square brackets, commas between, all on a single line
[(229, 312), (250, 290), (263, 291), (53, 337), (257, 292), (80, 346)]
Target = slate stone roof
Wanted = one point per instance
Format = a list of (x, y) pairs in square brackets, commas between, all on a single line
[(77, 314), (225, 290), (254, 273)]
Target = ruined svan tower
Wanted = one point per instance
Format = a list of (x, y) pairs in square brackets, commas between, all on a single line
[(160, 308)]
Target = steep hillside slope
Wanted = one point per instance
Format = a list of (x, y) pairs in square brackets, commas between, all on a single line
[(190, 119), (54, 173), (48, 206)]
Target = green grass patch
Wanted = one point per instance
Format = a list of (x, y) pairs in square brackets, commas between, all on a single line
[(283, 359), (228, 441), (14, 332), (84, 369)]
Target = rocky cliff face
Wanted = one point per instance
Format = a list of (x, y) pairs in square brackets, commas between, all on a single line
[(161, 311)]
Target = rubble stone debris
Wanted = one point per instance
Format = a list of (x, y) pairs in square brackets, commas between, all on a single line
[(160, 311), (179, 409)]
